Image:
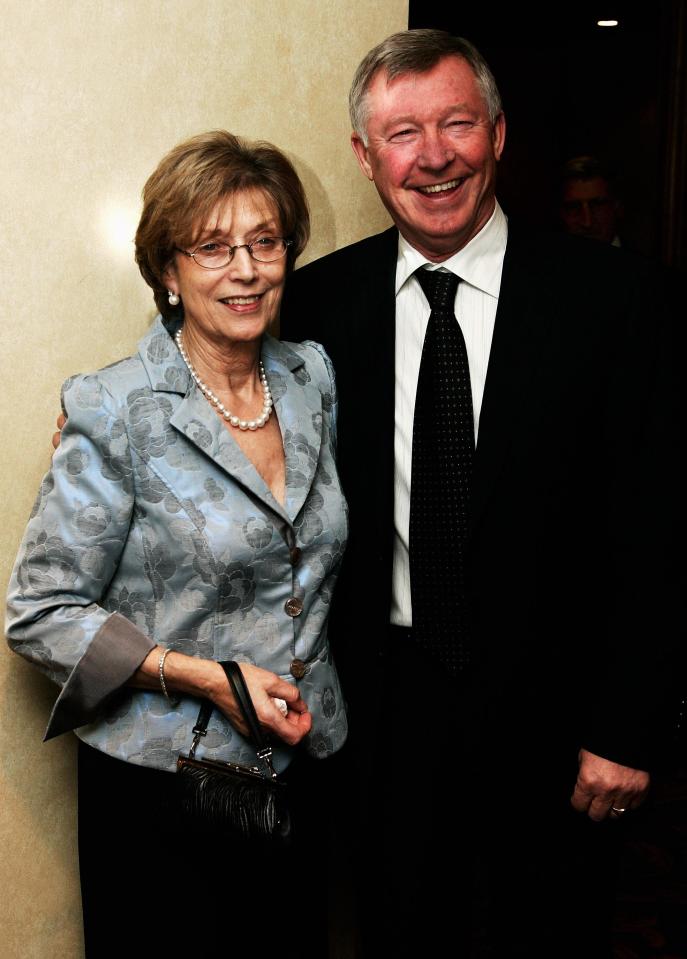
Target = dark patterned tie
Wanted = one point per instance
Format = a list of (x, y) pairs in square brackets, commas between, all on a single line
[(443, 451)]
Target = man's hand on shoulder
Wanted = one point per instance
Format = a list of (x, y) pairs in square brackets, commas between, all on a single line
[(61, 420), (605, 788)]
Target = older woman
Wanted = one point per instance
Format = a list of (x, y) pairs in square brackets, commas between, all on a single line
[(193, 514)]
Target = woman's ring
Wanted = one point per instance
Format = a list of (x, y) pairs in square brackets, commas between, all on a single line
[(618, 810)]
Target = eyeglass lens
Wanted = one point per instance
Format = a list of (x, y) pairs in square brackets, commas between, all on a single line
[(213, 255)]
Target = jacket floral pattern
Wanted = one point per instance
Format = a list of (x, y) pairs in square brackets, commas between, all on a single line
[(153, 527)]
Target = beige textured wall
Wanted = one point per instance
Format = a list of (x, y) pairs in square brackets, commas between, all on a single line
[(92, 93)]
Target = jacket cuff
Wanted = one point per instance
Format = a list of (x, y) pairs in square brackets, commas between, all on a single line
[(113, 656)]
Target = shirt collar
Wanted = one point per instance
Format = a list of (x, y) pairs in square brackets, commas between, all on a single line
[(479, 263)]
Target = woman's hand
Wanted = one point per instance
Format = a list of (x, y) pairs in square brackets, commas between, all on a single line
[(264, 687), (206, 679)]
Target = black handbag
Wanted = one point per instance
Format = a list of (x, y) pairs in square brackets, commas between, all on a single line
[(229, 798)]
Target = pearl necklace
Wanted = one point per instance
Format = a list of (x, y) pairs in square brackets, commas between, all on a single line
[(231, 418)]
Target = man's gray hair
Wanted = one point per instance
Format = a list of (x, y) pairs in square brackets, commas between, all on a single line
[(416, 51)]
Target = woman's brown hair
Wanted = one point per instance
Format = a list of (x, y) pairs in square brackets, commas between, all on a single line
[(191, 179)]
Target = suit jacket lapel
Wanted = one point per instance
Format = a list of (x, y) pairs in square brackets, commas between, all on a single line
[(375, 405), (521, 324), (381, 311)]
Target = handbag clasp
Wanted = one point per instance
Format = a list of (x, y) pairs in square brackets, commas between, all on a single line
[(265, 755), (198, 731)]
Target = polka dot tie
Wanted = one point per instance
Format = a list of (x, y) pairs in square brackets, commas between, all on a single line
[(443, 452)]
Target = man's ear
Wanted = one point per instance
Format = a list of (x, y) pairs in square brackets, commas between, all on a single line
[(361, 154), (499, 135)]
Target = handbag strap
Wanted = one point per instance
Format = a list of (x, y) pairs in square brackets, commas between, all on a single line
[(243, 698)]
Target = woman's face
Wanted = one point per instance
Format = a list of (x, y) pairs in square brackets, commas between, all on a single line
[(237, 302)]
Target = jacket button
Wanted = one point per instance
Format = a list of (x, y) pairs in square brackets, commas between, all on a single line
[(298, 669), (295, 555), (293, 606)]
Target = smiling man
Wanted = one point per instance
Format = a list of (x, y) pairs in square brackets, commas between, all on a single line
[(504, 615), (430, 144)]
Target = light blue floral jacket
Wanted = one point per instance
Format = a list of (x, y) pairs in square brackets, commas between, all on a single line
[(153, 527)]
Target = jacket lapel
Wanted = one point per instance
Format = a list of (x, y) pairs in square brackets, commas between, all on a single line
[(520, 328), (371, 397), (385, 308), (298, 406)]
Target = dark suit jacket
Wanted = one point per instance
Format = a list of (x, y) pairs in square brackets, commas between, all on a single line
[(571, 584)]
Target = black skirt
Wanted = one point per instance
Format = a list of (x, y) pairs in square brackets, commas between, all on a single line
[(152, 887)]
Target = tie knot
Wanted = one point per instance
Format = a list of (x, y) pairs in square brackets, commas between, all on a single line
[(439, 287)]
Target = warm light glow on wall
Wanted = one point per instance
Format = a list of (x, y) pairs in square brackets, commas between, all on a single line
[(118, 225), (607, 23)]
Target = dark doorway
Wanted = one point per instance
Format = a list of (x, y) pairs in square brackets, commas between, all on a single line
[(571, 87)]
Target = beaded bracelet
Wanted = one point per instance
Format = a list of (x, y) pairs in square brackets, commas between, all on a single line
[(161, 674)]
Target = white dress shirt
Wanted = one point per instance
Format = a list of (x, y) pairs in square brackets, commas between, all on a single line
[(479, 265)]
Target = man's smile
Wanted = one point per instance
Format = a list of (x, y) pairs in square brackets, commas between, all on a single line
[(440, 187)]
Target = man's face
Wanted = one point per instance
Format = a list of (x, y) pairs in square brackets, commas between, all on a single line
[(588, 209), (432, 154)]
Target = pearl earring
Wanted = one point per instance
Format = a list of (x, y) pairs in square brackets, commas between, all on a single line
[(173, 298)]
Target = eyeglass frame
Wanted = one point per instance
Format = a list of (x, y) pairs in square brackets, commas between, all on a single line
[(239, 246)]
